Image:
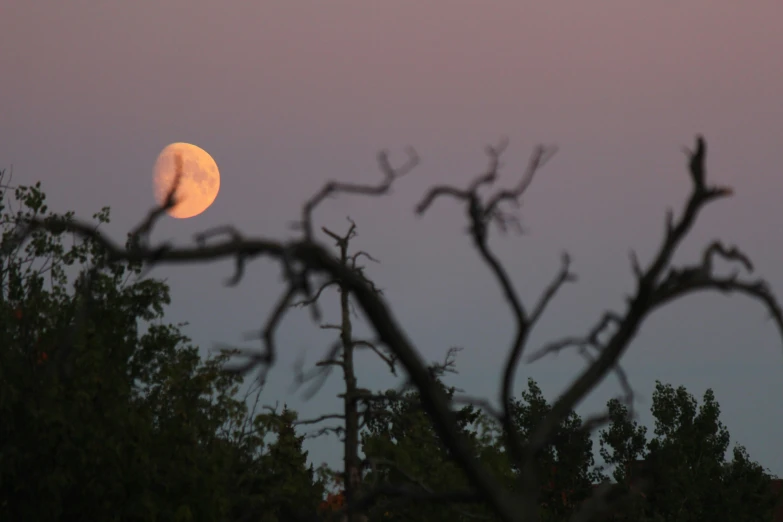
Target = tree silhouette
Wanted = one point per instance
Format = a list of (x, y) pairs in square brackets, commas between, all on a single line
[(306, 263)]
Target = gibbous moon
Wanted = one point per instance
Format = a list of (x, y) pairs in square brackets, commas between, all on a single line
[(199, 182)]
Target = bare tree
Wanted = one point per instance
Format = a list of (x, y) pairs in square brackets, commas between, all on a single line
[(306, 260), (341, 355)]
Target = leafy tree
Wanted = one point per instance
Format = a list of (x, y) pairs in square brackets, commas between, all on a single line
[(403, 443), (567, 465), (405, 451), (684, 464), (623, 442), (108, 412), (278, 485)]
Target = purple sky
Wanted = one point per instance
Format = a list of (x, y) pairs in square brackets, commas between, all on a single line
[(286, 95)]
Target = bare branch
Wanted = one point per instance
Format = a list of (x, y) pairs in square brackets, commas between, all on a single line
[(334, 187), (479, 215), (325, 430), (140, 235), (635, 266), (388, 359), (319, 419), (591, 339), (361, 253), (266, 358), (487, 178), (448, 365), (563, 277), (312, 299), (716, 248), (539, 158), (436, 192), (641, 304), (320, 374), (342, 241), (755, 289)]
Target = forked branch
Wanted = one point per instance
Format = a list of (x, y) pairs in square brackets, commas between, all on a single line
[(390, 174)]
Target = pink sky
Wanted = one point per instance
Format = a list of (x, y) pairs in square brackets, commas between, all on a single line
[(287, 94)]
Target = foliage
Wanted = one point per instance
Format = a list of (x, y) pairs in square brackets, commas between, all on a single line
[(686, 465), (404, 444), (623, 442), (405, 450), (566, 466), (685, 462), (278, 483), (120, 419)]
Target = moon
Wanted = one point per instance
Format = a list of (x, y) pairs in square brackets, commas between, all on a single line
[(199, 182)]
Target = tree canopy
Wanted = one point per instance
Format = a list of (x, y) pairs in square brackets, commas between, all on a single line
[(684, 463), (121, 418)]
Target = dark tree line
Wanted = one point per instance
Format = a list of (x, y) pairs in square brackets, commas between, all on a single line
[(94, 399)]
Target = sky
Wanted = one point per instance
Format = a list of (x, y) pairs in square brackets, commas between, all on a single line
[(288, 95)]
